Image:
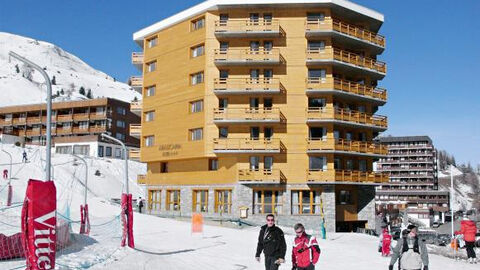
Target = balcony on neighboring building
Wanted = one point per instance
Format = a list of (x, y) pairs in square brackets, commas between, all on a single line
[(341, 146), (81, 116), (137, 60), (136, 82), (247, 86), (97, 129), (98, 115), (247, 145), (346, 89), (273, 176), (248, 116), (136, 107), (346, 61), (64, 130), (33, 132), (141, 179), (345, 33), (134, 154), (135, 130), (19, 121), (34, 120), (65, 118), (239, 28), (81, 130), (248, 57), (346, 118), (334, 176)]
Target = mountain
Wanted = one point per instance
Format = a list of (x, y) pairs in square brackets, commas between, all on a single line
[(466, 186), (19, 85)]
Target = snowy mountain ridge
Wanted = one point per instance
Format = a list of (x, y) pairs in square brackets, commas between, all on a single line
[(466, 187), (72, 78)]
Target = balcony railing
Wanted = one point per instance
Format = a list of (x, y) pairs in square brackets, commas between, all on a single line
[(328, 54), (32, 132), (137, 58), (248, 115), (247, 85), (19, 121), (141, 179), (136, 107), (81, 130), (247, 145), (329, 24), (273, 176), (80, 116), (315, 84), (319, 176), (236, 57), (34, 120), (98, 129), (247, 27), (134, 154), (97, 116), (354, 117), (136, 81), (135, 130), (319, 145), (62, 130), (64, 118)]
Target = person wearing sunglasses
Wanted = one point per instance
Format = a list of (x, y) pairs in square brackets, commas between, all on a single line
[(272, 242), (305, 251)]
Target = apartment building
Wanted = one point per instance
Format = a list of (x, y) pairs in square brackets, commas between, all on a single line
[(256, 107), (76, 125)]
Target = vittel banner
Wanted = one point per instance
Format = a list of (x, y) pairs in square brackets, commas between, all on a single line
[(39, 225)]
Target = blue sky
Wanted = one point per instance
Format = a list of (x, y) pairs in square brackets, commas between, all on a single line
[(433, 55)]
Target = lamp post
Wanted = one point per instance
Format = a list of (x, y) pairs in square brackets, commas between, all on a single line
[(126, 158), (86, 177)]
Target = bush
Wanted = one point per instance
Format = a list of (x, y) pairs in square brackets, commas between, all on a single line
[(82, 91), (18, 144)]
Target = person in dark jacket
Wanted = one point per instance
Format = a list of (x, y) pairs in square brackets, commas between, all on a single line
[(410, 251), (272, 242)]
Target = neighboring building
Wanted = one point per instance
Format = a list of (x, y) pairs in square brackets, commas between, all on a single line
[(256, 107), (413, 185), (76, 125)]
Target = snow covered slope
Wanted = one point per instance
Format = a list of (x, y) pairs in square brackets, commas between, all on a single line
[(70, 72), (466, 186)]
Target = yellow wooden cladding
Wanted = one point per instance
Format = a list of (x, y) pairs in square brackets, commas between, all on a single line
[(248, 114), (247, 84), (141, 179), (330, 53), (345, 28), (248, 144), (248, 56), (273, 176), (346, 115), (247, 25), (137, 58), (135, 130), (346, 145), (346, 176), (346, 86)]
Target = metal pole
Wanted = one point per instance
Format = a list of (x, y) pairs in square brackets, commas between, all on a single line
[(451, 200), (86, 177), (126, 158), (49, 109)]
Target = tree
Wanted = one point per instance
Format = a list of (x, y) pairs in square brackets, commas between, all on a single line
[(135, 99), (17, 69), (62, 92), (54, 80), (82, 91), (89, 93)]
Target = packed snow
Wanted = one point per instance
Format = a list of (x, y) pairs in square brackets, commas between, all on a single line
[(70, 72)]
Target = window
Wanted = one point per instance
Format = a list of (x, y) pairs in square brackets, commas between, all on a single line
[(316, 102), (254, 18), (306, 202), (268, 73), (198, 24), (154, 199), (100, 111), (222, 103), (163, 167), (120, 136), (349, 165), (268, 45), (317, 163), (254, 163), (63, 149), (337, 164), (81, 150), (152, 66), (316, 45), (223, 46), (149, 141), (118, 152), (223, 74), (254, 46), (267, 163), (267, 202), (344, 197), (267, 133), (362, 165), (223, 132), (213, 164), (317, 133), (100, 151), (149, 116), (121, 110), (254, 133), (173, 200), (150, 91), (196, 106), (197, 51), (83, 124), (196, 78), (152, 42), (267, 103), (315, 16), (223, 19), (120, 124), (108, 151), (267, 17), (196, 134), (200, 201), (223, 201)]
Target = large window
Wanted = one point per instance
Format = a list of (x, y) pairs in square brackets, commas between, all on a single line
[(223, 201), (100, 151), (196, 106), (268, 202), (121, 110), (197, 51), (118, 152), (120, 136), (81, 150), (213, 164), (317, 163), (120, 124), (83, 124), (196, 78), (149, 116), (200, 200), (173, 200), (196, 134), (149, 141), (152, 42), (63, 149), (108, 151), (312, 17), (316, 102), (316, 45), (344, 197), (306, 202), (150, 91), (154, 199), (198, 24), (152, 66)]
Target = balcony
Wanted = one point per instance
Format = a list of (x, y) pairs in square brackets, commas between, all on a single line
[(346, 89), (248, 176), (406, 168), (136, 82), (32, 132), (345, 33), (19, 121), (34, 120), (81, 116), (247, 57), (346, 118), (6, 122), (347, 61), (136, 107), (64, 131), (141, 179), (340, 146), (335, 176), (137, 60), (65, 118), (53, 118), (135, 130), (98, 129), (248, 116), (248, 28), (248, 146), (247, 86), (98, 115), (81, 130), (134, 154)]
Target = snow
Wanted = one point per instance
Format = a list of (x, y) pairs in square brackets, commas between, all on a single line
[(70, 73), (463, 191)]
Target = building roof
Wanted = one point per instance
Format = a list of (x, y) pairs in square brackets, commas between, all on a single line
[(215, 4), (390, 139), (60, 105)]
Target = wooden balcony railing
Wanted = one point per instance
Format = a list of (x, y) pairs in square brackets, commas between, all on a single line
[(136, 81), (329, 53), (346, 176), (98, 116), (346, 115), (134, 154), (248, 56), (79, 130), (273, 176), (248, 145), (19, 121), (345, 28), (247, 85), (32, 132), (64, 117), (141, 179), (329, 83), (81, 116), (135, 130), (346, 145), (136, 106), (97, 129), (137, 58), (248, 114), (64, 130), (245, 26), (34, 120)]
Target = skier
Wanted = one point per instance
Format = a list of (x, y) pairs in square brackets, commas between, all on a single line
[(386, 243), (140, 204), (410, 251), (5, 174), (24, 157), (305, 251), (272, 242), (468, 229)]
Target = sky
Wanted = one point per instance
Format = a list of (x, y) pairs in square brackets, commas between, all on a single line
[(432, 54)]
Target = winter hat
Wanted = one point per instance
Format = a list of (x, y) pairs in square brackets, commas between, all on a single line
[(411, 227)]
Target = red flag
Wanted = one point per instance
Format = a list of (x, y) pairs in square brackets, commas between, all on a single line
[(9, 195), (127, 220)]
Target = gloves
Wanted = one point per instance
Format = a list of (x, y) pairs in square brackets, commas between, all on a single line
[(390, 267), (279, 261), (425, 267)]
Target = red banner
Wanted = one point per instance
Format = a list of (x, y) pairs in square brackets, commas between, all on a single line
[(84, 220), (127, 220), (39, 225)]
